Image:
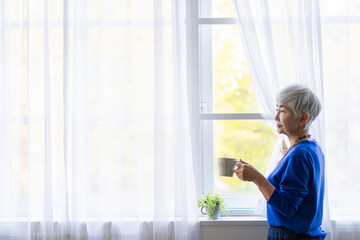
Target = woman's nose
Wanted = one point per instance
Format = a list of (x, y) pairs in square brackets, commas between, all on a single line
[(276, 116)]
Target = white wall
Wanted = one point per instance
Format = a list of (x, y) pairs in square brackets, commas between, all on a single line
[(235, 228)]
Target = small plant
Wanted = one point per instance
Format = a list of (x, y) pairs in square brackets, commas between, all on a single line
[(214, 205)]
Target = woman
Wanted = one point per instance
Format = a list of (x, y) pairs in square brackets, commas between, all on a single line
[(294, 191)]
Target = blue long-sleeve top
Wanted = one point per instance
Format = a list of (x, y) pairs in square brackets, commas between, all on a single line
[(299, 181)]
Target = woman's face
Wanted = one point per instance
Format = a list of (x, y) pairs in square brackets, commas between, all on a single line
[(285, 120)]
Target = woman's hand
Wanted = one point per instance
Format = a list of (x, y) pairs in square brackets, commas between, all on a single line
[(246, 172)]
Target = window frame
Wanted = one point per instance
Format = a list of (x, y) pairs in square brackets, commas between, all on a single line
[(198, 64), (197, 71)]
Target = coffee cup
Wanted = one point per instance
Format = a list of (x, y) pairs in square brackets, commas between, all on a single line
[(226, 166)]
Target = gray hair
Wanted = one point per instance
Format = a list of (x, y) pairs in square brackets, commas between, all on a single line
[(300, 99)]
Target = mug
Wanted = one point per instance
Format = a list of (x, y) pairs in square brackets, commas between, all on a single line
[(226, 166)]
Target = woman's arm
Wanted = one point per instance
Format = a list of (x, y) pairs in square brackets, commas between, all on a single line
[(293, 184), (246, 172)]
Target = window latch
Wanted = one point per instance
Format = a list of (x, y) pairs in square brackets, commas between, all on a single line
[(203, 107)]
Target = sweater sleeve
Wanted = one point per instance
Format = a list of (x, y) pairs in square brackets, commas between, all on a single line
[(293, 185)]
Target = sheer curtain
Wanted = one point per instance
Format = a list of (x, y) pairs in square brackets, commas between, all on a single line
[(94, 122), (341, 51), (282, 41)]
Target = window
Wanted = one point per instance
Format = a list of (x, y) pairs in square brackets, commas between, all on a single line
[(229, 120), (341, 45)]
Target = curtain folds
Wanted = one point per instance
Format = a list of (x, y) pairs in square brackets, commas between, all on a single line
[(341, 44), (95, 139), (282, 42)]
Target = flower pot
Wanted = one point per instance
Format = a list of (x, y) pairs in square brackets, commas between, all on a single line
[(213, 215)]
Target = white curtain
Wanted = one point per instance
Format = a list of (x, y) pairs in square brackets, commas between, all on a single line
[(282, 42), (341, 61), (94, 131)]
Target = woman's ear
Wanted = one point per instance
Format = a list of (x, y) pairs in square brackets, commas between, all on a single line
[(304, 118)]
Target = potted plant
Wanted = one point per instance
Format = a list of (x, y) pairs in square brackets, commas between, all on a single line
[(214, 205)]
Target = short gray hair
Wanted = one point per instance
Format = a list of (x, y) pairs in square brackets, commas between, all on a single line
[(300, 99)]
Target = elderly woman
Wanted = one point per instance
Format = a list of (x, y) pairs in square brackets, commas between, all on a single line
[(294, 191)]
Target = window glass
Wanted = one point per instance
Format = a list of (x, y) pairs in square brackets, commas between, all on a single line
[(219, 9), (341, 45), (252, 141), (228, 88), (233, 89)]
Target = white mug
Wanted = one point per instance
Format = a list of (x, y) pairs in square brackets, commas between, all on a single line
[(226, 166)]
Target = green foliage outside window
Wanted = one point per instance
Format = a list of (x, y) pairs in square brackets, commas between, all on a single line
[(233, 91)]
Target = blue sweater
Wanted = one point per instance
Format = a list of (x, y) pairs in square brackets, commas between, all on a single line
[(297, 202)]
